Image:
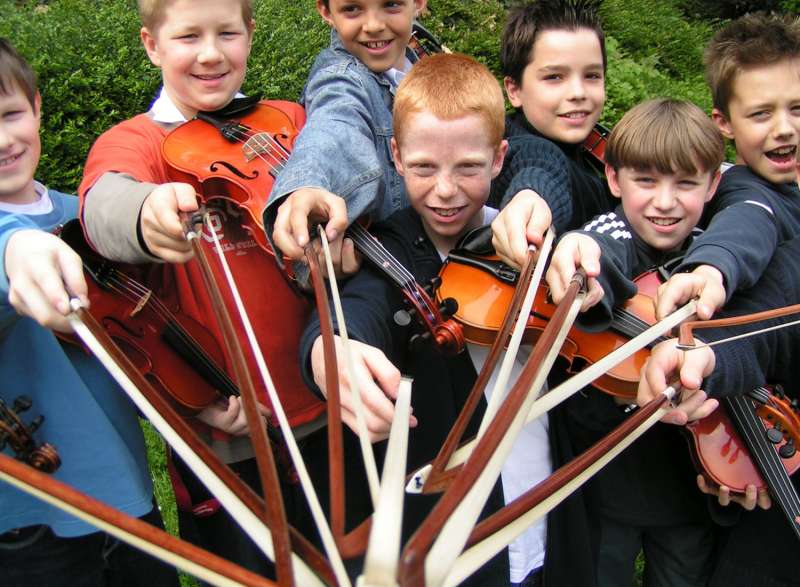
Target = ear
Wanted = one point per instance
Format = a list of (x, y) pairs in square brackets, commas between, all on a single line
[(37, 105), (613, 181), (712, 186), (499, 158), (419, 6), (251, 27), (150, 46), (398, 162), (722, 122), (324, 12), (512, 91)]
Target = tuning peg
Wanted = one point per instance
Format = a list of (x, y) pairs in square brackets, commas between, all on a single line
[(402, 318), (34, 425), (448, 307), (787, 450), (774, 435), (433, 285), (416, 341), (22, 403)]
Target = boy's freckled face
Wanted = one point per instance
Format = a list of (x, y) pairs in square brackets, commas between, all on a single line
[(764, 119), (374, 31), (448, 167), (662, 208), (562, 90), (201, 47), (20, 147)]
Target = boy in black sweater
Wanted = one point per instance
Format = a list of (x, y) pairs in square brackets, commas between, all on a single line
[(753, 70), (448, 146), (662, 162), (732, 369), (554, 61)]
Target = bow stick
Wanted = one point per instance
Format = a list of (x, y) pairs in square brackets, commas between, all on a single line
[(497, 531), (419, 480), (294, 451), (154, 541), (499, 390), (435, 472), (434, 547), (686, 338), (237, 498)]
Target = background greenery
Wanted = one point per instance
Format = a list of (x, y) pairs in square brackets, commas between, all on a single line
[(93, 72)]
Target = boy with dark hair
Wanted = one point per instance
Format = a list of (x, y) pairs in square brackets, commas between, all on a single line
[(553, 59), (448, 145), (87, 417), (662, 161), (753, 70)]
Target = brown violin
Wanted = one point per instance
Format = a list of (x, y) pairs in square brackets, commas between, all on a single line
[(19, 436), (482, 288)]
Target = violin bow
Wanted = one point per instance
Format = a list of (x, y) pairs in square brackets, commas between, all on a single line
[(237, 498), (434, 547), (501, 528), (154, 541), (686, 340), (419, 480), (437, 474), (312, 499)]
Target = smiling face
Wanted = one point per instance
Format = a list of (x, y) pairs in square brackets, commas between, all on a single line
[(20, 146), (562, 90), (374, 31), (201, 47), (448, 167), (662, 208), (764, 119)]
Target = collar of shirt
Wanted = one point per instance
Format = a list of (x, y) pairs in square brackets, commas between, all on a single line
[(394, 75), (43, 204), (164, 110)]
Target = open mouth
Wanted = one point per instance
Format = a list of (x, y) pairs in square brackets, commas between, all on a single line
[(447, 212), (575, 115), (10, 160), (376, 45), (783, 155), (663, 221), (209, 76)]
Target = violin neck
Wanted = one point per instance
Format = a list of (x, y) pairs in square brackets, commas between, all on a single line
[(376, 253), (765, 457)]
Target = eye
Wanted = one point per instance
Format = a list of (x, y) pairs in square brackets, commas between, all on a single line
[(552, 77), (230, 34), (350, 9), (594, 75), (644, 180), (759, 115)]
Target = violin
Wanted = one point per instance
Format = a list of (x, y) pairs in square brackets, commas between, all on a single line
[(482, 287), (595, 145), (751, 440), (179, 356), (231, 157), (19, 436)]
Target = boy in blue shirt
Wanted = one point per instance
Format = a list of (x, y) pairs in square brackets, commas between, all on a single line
[(344, 148), (88, 418)]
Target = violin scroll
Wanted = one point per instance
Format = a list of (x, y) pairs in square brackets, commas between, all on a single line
[(14, 432)]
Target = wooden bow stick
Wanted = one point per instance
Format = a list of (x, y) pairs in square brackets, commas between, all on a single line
[(422, 479), (434, 547), (258, 423), (173, 551), (686, 338), (235, 496)]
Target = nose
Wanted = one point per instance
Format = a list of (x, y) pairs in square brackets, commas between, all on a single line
[(374, 22), (5, 137), (786, 125), (210, 52), (664, 198), (446, 186), (577, 88)]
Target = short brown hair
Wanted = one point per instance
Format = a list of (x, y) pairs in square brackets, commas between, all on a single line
[(527, 20), (754, 40), (667, 135), (449, 86), (16, 73), (151, 12)]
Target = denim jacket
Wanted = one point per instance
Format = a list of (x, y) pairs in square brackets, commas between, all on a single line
[(345, 145)]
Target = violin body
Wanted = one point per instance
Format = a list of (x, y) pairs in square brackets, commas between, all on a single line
[(483, 288), (237, 163), (722, 455)]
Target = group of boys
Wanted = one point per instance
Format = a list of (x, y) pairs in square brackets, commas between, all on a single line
[(422, 147)]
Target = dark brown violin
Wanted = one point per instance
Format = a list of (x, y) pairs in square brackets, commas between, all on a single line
[(483, 287), (179, 356), (595, 145), (19, 436)]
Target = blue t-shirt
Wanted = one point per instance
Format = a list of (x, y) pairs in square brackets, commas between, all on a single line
[(88, 418)]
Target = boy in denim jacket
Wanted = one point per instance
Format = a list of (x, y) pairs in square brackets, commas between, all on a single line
[(343, 152)]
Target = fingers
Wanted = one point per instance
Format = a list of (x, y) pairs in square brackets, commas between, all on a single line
[(161, 224), (523, 221), (693, 405), (574, 251), (351, 260), (299, 211), (344, 258), (704, 283), (751, 497)]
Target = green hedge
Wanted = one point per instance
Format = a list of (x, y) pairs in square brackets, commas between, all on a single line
[(93, 72)]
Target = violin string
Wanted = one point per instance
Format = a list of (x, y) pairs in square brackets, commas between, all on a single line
[(134, 291), (752, 429)]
